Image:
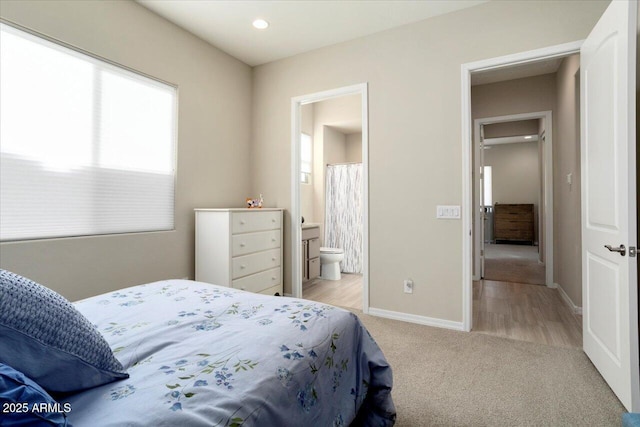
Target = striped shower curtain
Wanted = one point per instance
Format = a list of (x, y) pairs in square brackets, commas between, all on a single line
[(343, 213)]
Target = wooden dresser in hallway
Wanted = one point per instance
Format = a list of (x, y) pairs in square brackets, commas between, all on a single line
[(513, 223)]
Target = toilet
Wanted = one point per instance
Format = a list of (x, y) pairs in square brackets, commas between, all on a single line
[(330, 263)]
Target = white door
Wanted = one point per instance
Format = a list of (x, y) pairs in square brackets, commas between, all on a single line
[(483, 213), (609, 278)]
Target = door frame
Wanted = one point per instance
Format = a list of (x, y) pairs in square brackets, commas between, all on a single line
[(546, 182), (556, 51), (295, 230)]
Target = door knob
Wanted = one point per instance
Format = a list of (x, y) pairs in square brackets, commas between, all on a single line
[(621, 249)]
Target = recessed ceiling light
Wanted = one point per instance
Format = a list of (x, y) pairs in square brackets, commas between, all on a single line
[(260, 24), (528, 137)]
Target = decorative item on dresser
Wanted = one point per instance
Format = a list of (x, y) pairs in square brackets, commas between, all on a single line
[(513, 223), (240, 248)]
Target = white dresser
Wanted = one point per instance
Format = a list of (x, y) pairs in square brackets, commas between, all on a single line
[(240, 248)]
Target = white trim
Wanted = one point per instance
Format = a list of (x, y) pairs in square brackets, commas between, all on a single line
[(467, 200), (549, 52), (413, 318), (547, 183), (488, 142), (574, 308), (296, 250)]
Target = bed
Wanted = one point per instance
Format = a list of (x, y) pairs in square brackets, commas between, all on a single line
[(199, 354)]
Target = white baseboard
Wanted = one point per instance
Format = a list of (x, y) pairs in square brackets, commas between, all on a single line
[(574, 308), (413, 318)]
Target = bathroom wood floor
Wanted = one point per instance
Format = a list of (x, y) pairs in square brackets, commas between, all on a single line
[(346, 292)]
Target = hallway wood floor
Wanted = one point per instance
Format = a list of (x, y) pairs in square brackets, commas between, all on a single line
[(513, 263), (525, 312), (346, 292), (518, 311)]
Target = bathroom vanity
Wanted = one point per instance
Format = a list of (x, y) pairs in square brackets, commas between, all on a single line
[(310, 251)]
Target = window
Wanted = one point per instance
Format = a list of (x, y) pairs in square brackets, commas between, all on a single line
[(86, 147), (488, 186), (306, 158)]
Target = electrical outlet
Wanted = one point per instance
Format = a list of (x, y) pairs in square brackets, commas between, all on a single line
[(408, 286)]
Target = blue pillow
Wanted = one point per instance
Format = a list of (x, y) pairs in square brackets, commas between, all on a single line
[(25, 403), (45, 337)]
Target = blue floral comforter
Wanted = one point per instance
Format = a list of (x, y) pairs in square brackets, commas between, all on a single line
[(200, 354)]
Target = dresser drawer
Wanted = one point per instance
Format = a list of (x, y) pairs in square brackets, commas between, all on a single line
[(514, 216), (258, 282), (247, 222), (255, 242), (277, 289), (254, 263)]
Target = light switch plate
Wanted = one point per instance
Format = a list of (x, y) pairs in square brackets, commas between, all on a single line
[(448, 212)]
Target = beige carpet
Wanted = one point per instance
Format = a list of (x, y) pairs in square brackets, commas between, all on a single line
[(448, 378), (513, 263)]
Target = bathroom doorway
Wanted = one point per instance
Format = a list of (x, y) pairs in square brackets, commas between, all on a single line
[(329, 190)]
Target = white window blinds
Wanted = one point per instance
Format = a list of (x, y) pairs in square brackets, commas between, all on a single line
[(86, 147)]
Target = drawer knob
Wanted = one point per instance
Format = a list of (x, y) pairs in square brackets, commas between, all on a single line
[(273, 220), (273, 278), (243, 266), (273, 239), (273, 258), (242, 245), (241, 222)]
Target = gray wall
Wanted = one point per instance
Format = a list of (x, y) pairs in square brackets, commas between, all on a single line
[(415, 149), (213, 143), (515, 172), (566, 198), (354, 147), (521, 127)]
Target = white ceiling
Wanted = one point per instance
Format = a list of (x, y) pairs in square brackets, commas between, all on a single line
[(296, 26)]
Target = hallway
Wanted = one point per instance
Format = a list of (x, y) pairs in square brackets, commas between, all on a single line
[(513, 263)]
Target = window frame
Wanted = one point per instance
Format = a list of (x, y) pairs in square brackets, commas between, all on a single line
[(110, 64)]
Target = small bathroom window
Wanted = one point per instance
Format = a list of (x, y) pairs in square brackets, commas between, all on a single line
[(306, 158)]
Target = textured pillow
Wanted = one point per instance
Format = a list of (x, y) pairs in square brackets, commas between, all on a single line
[(45, 337), (25, 403)]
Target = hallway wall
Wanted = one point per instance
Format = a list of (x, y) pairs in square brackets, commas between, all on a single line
[(567, 240)]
